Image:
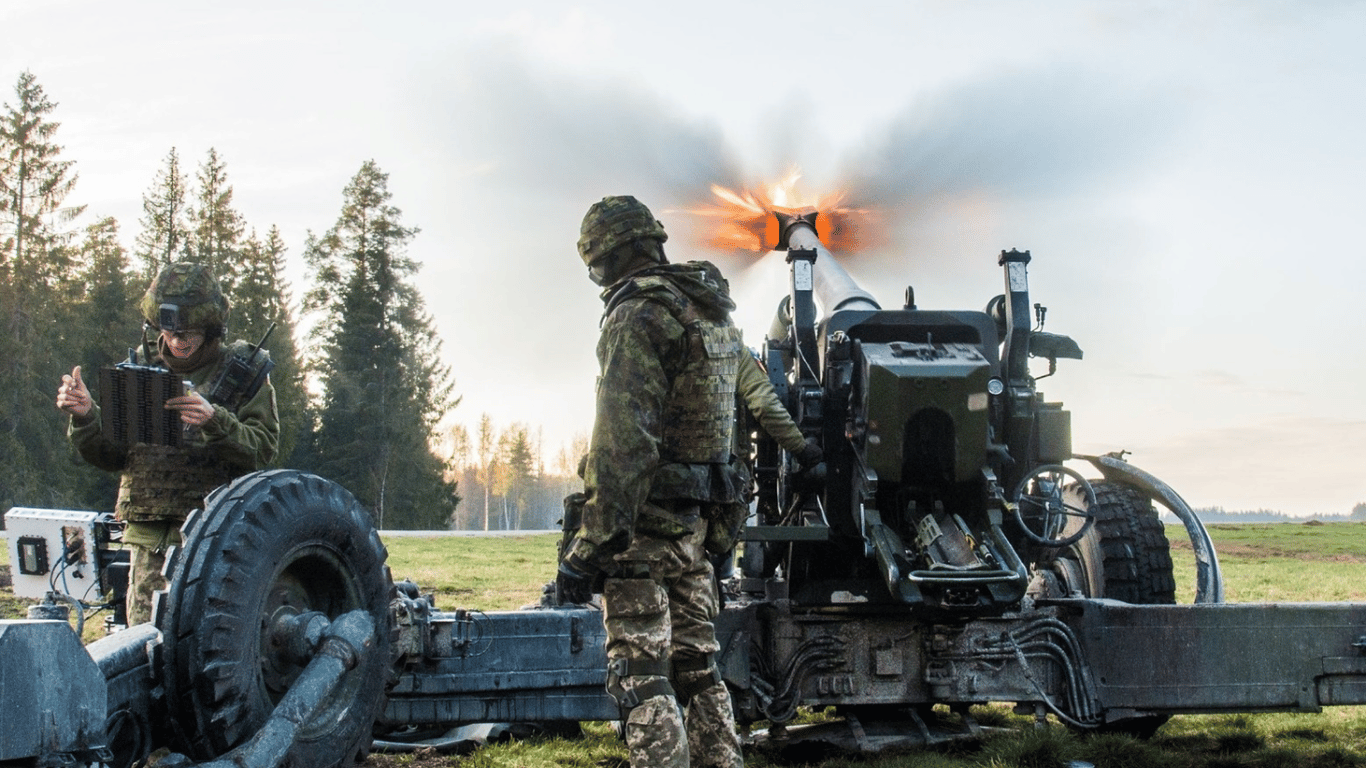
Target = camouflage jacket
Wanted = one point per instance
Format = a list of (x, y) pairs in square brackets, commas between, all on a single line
[(758, 397), (163, 483), (649, 334)]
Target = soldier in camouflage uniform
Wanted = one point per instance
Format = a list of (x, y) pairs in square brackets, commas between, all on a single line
[(756, 397), (161, 484), (659, 468)]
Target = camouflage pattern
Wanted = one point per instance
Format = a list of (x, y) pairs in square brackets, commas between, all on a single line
[(756, 392), (667, 352), (149, 543), (636, 614), (712, 740), (614, 222), (192, 288), (699, 423), (724, 524), (165, 483), (650, 336), (655, 735), (161, 484), (664, 616)]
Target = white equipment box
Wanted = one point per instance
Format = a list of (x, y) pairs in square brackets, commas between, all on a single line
[(55, 550)]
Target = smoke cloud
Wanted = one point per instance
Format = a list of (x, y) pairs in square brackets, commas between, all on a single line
[(1042, 133), (525, 150), (532, 129)]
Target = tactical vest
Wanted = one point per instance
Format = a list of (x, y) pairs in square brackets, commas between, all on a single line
[(699, 418), (164, 483)]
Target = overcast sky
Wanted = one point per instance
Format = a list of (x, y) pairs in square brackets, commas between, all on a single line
[(1188, 177)]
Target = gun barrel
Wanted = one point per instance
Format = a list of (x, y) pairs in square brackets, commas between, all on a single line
[(834, 288)]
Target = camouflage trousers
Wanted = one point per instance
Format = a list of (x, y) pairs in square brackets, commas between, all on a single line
[(668, 616), (149, 542)]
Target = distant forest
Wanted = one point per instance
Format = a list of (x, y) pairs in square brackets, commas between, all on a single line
[(368, 405), (1221, 515)]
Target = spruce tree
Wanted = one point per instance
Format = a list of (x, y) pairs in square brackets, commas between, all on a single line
[(384, 387), (34, 183), (106, 321), (521, 476), (261, 297), (35, 275), (214, 227), (164, 233), (107, 305)]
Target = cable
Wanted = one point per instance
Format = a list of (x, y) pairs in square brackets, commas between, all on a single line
[(779, 702)]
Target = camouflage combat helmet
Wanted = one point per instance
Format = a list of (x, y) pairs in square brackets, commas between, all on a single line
[(186, 297), (613, 222)]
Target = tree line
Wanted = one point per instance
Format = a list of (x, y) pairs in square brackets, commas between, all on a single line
[(505, 481), (365, 406), (1221, 515)]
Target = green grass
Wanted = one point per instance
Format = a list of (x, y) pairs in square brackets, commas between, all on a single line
[(487, 573), (1279, 562)]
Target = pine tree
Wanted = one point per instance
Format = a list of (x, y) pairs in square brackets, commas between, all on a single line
[(164, 233), (215, 228), (259, 298), (35, 274), (384, 385)]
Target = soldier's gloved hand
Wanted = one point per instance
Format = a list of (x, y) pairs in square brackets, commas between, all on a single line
[(811, 454), (577, 579)]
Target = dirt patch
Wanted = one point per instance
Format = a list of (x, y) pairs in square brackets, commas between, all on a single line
[(1258, 552), (1261, 551)]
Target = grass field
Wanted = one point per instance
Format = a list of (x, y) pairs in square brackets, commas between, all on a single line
[(1280, 562), (488, 573), (1272, 562)]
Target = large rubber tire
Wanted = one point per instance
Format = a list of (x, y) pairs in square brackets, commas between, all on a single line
[(1125, 556), (269, 542)]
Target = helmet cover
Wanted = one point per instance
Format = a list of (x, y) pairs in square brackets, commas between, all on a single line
[(614, 222), (185, 297)]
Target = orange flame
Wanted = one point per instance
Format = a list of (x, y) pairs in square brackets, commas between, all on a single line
[(744, 220)]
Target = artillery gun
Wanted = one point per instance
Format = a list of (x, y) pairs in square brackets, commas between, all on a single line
[(944, 556)]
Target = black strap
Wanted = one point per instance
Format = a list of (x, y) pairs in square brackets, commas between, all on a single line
[(691, 662), (620, 669), (638, 667), (686, 691)]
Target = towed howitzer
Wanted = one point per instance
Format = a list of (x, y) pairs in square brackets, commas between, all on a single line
[(945, 464), (945, 557)]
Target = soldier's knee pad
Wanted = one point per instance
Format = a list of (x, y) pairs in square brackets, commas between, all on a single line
[(692, 673), (647, 678)]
